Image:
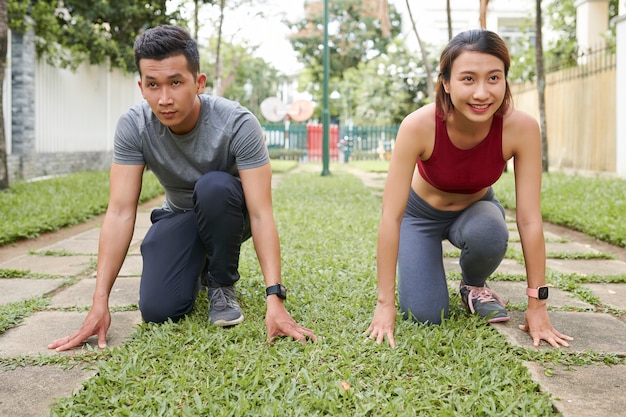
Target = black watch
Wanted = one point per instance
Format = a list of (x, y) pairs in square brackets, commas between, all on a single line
[(276, 289)]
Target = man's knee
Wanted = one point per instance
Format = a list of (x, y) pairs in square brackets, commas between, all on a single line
[(160, 311), (217, 185)]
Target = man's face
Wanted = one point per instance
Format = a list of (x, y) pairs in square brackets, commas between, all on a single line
[(171, 91)]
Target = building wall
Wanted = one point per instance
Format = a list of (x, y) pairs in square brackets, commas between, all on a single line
[(60, 120)]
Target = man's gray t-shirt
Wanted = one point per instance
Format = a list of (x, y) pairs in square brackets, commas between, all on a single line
[(226, 138)]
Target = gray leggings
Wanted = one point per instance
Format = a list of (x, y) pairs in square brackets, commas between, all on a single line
[(480, 232)]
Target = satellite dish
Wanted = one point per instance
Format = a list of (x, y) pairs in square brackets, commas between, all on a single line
[(273, 109), (300, 110)]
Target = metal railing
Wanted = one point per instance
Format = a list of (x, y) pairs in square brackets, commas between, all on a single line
[(300, 141)]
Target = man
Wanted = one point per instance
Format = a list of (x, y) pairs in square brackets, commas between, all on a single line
[(210, 157)]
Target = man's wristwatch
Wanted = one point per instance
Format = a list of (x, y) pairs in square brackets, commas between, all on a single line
[(540, 293), (277, 290)]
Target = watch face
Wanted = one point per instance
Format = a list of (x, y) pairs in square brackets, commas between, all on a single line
[(542, 293), (278, 290)]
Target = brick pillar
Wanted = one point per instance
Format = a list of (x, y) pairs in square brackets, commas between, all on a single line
[(23, 63)]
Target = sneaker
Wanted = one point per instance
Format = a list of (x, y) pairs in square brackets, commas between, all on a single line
[(223, 309), (484, 302)]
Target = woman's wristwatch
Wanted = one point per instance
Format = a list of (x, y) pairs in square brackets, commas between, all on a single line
[(540, 293)]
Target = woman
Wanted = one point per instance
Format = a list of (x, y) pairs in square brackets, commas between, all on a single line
[(460, 145)]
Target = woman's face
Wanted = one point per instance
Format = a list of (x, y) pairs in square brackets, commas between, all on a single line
[(477, 85)]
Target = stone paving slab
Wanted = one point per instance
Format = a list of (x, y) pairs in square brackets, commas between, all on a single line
[(508, 266), (588, 266), (613, 295), (18, 289), (560, 248), (75, 246), (143, 218), (42, 384), (591, 331), (132, 267), (37, 331), (51, 265), (125, 292), (584, 391)]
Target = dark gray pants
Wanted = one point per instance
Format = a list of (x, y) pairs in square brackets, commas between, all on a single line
[(480, 232), (180, 246)]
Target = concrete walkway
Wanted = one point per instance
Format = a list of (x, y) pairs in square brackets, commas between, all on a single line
[(578, 391)]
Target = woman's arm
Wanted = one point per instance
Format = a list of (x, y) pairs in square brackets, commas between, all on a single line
[(522, 137), (410, 144)]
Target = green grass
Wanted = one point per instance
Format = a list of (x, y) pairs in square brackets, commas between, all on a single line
[(371, 166), (592, 205), (280, 166), (29, 209), (328, 229)]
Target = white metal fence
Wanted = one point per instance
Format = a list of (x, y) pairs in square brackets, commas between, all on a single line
[(75, 111)]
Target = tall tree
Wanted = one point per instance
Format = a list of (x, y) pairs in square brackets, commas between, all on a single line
[(541, 86), (73, 31), (355, 35), (427, 67), (4, 27)]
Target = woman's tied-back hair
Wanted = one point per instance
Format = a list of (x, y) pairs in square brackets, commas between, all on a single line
[(476, 40), (164, 42)]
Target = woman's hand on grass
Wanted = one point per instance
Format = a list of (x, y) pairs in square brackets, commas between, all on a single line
[(540, 328), (383, 324)]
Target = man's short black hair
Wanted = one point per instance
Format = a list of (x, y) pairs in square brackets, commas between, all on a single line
[(166, 41)]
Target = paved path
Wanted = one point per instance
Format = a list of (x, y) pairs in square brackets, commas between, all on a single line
[(578, 391)]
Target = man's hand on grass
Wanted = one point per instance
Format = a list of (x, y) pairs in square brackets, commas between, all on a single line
[(280, 323)]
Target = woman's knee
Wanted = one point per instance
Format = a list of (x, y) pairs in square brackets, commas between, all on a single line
[(428, 313)]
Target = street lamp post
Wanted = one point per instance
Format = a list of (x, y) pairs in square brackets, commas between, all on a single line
[(325, 115)]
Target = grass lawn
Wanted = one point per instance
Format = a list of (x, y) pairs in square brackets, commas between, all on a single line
[(328, 227), (328, 233)]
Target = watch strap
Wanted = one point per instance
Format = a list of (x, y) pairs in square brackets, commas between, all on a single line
[(540, 293), (276, 289)]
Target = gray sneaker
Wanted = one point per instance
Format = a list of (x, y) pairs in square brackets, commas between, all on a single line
[(223, 309), (484, 302)]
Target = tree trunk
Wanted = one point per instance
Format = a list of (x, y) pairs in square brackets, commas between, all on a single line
[(4, 171), (196, 6), (217, 83), (483, 13), (541, 87), (429, 79), (449, 14), (383, 17)]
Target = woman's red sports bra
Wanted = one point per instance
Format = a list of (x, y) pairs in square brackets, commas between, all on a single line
[(464, 171)]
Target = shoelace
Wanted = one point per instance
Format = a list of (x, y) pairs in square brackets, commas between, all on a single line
[(483, 294), (218, 298)]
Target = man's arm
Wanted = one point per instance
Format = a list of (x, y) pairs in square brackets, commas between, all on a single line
[(257, 188), (115, 236)]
